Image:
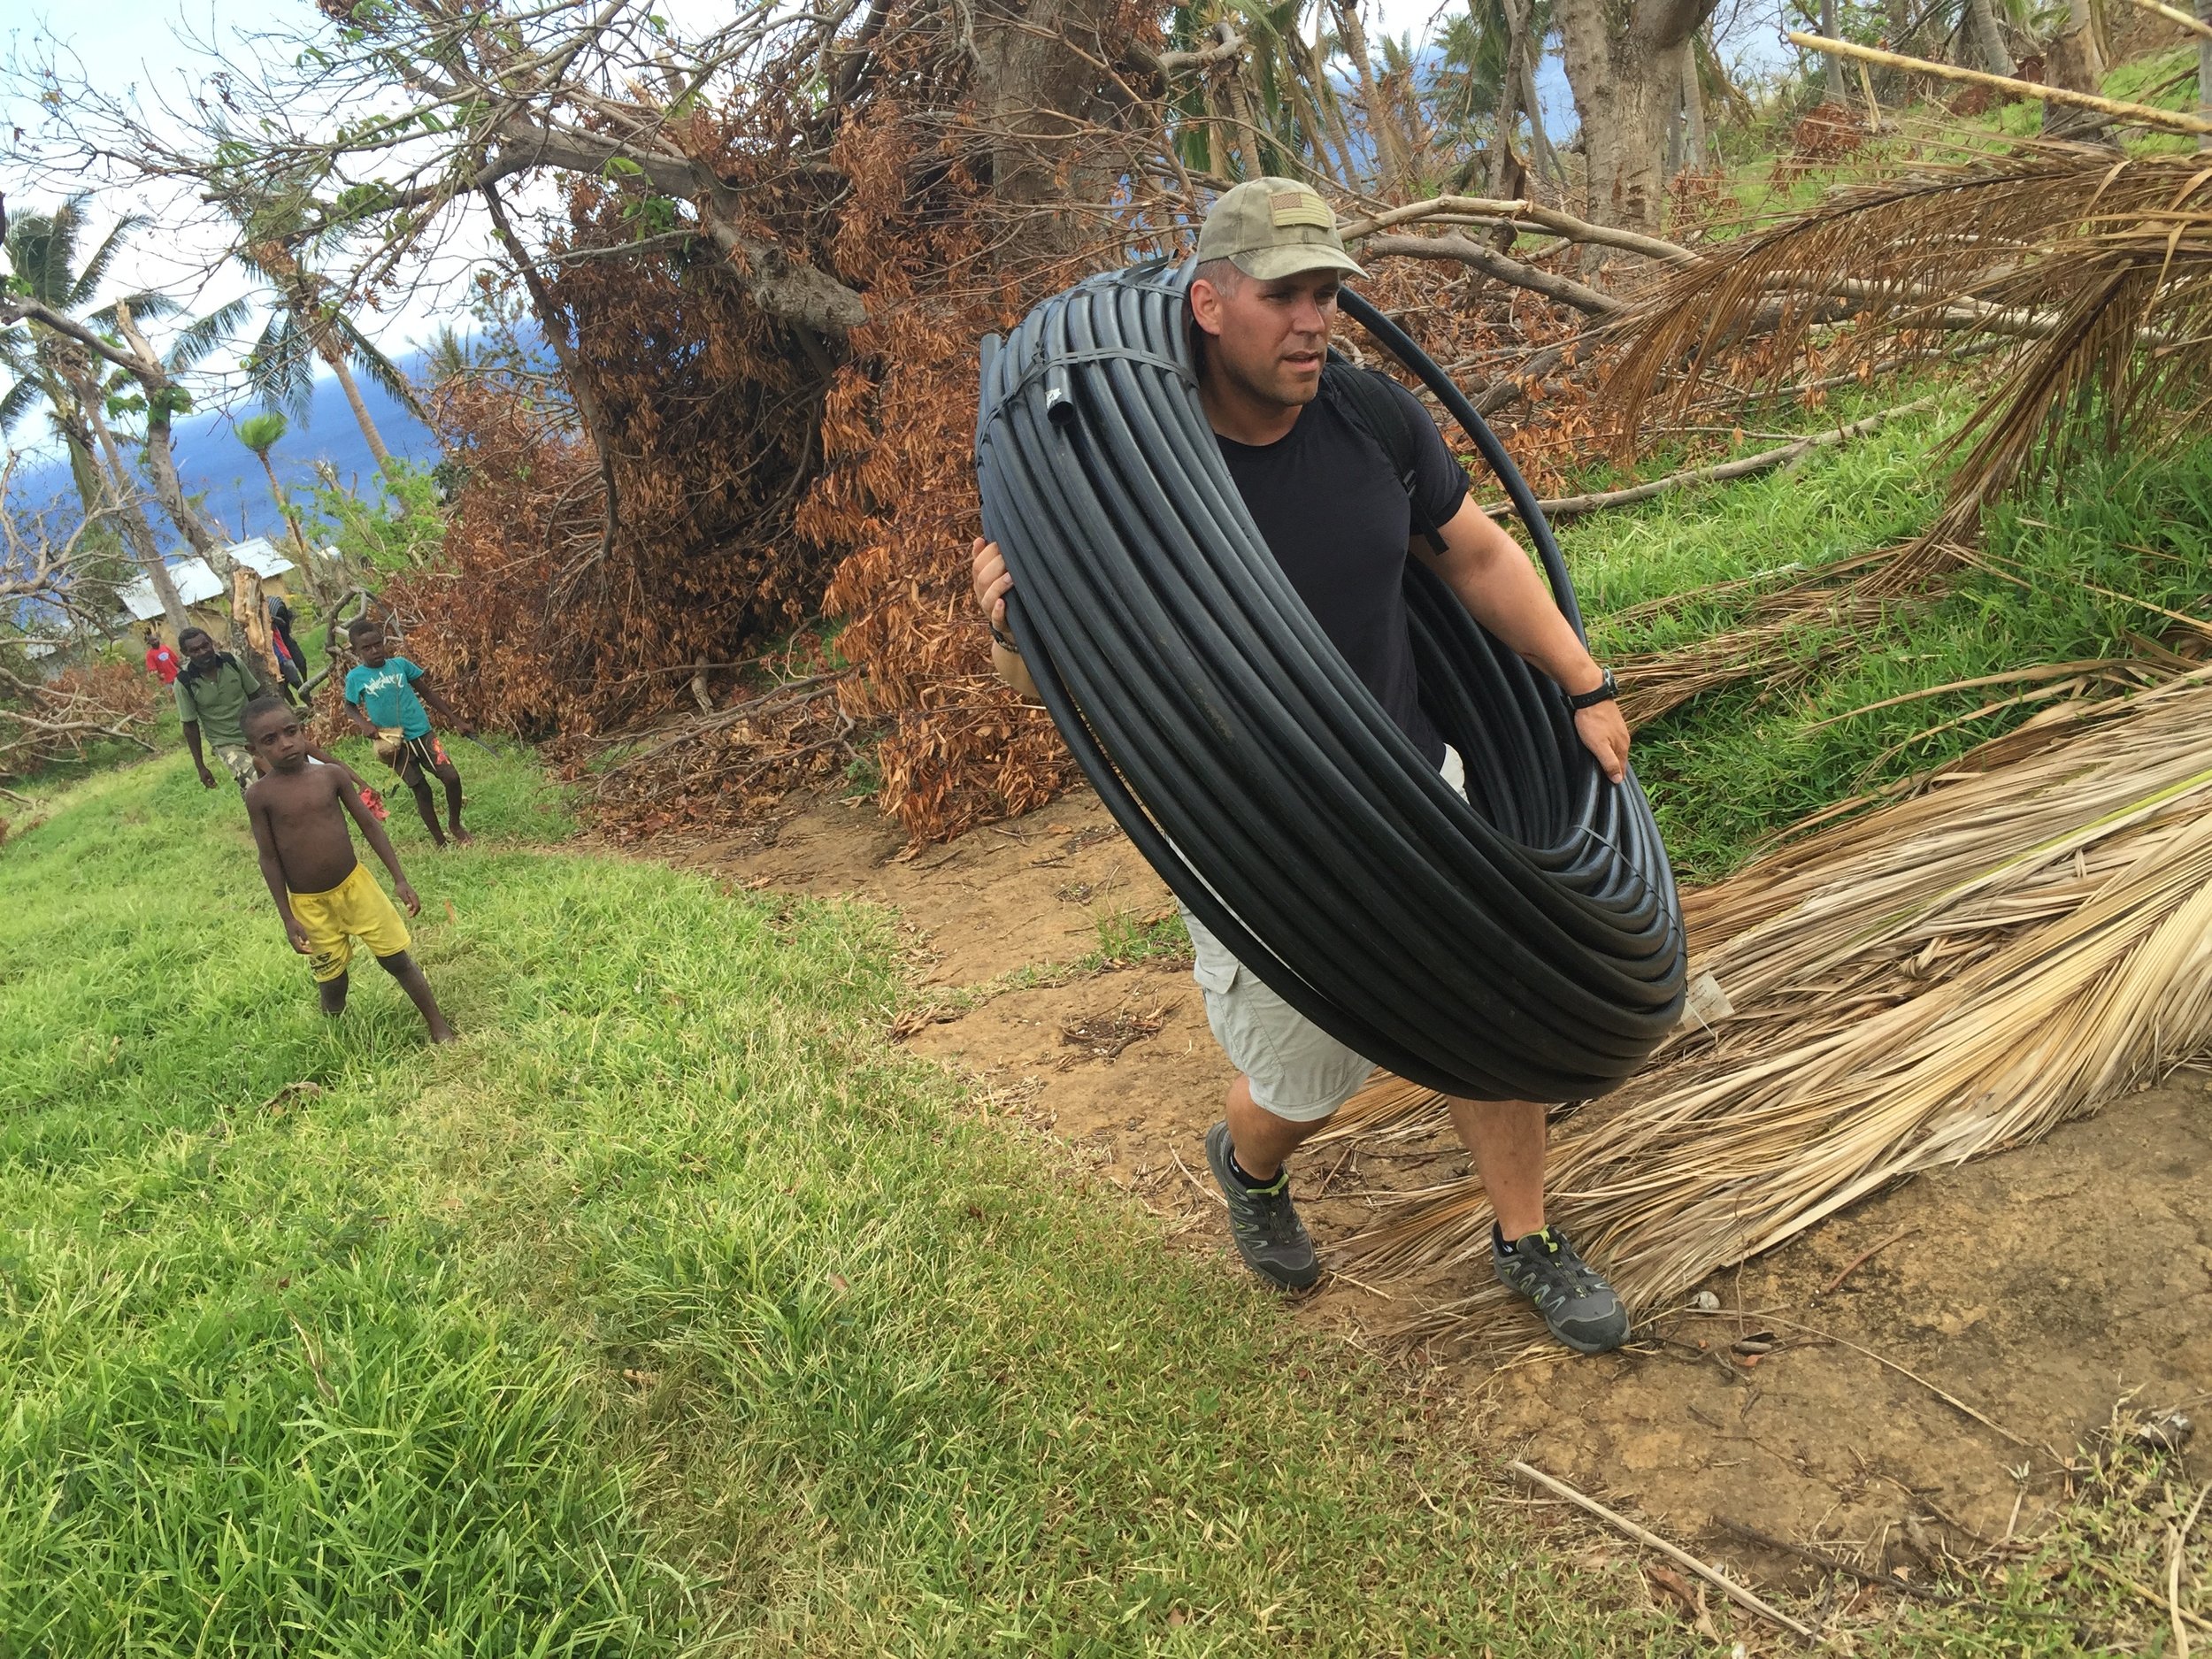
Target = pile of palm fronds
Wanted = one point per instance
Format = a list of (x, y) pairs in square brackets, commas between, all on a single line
[(2026, 938)]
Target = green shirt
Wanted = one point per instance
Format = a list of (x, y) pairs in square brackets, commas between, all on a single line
[(216, 700)]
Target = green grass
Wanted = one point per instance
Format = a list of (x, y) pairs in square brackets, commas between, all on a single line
[(1737, 764), (671, 1311), (671, 1307)]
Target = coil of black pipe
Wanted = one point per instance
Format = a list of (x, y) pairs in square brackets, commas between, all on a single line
[(1522, 943)]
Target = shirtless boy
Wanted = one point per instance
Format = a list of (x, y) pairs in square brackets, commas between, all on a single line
[(324, 893)]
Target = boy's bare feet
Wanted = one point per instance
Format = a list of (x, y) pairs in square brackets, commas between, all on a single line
[(462, 837), (443, 1033)]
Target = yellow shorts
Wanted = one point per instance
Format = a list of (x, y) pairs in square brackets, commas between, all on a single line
[(355, 909)]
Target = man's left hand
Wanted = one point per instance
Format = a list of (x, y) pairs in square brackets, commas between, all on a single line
[(1605, 734)]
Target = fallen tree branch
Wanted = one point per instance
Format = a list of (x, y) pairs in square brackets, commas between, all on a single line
[(1743, 466), (2133, 114), (1566, 290), (1548, 219), (771, 701)]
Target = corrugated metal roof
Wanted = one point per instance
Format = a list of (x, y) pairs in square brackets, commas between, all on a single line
[(197, 583)]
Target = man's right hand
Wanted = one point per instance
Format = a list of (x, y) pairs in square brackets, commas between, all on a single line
[(207, 777), (993, 582), (296, 930)]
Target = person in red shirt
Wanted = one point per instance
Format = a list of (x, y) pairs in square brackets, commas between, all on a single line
[(160, 660)]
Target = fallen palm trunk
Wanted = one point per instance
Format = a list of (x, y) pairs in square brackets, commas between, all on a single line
[(1957, 974)]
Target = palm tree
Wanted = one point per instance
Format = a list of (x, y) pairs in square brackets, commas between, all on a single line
[(1274, 109), (306, 325), (45, 366), (262, 433)]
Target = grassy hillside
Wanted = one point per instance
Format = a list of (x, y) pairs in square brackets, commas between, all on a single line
[(670, 1303)]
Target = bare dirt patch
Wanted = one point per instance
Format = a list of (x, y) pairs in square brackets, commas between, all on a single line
[(2037, 1287), (1029, 891)]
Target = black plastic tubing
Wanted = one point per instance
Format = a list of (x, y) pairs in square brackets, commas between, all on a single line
[(1522, 943)]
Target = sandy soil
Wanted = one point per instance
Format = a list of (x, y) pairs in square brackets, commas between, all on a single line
[(2037, 1288)]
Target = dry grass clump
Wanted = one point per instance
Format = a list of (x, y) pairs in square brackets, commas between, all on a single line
[(1962, 971)]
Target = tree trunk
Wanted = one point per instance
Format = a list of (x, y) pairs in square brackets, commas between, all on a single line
[(1505, 122), (1899, 15), (1391, 159), (76, 437), (1626, 73), (1988, 40), (291, 522), (554, 328), (1244, 138), (1332, 113), (249, 619), (136, 530), (1547, 159), (1307, 104), (1332, 116), (161, 460), (1041, 93), (330, 354), (2082, 19), (1831, 88), (1695, 149), (2072, 61)]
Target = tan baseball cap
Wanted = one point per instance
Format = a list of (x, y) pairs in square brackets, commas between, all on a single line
[(1274, 227)]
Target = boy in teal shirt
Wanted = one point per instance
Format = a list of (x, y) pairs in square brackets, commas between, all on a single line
[(385, 696)]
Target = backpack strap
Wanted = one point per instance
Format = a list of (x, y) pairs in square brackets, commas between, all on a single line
[(1366, 399)]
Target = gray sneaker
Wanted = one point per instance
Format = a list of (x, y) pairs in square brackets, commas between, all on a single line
[(1576, 1301), (1264, 1221)]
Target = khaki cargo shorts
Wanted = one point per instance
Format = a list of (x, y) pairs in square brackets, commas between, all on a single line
[(1298, 1071)]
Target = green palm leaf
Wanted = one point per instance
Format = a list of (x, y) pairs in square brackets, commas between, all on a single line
[(202, 336), (280, 366)]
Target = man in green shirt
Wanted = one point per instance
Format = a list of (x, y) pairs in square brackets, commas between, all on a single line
[(212, 692)]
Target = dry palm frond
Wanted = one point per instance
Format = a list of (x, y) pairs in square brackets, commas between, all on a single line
[(2092, 275), (1955, 973), (1783, 639), (1388, 1108)]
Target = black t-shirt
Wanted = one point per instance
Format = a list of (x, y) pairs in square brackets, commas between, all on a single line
[(1330, 507)]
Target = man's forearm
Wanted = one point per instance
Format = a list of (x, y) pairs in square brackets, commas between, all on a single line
[(1009, 667), (1503, 591), (192, 742)]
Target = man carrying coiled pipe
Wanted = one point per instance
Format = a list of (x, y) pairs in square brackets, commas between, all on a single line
[(1341, 517)]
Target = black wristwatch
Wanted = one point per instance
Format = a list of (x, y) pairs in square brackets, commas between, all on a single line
[(1604, 691)]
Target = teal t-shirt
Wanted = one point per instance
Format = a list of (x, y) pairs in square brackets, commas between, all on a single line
[(385, 695)]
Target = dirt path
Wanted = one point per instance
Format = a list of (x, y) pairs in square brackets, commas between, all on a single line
[(2037, 1288)]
